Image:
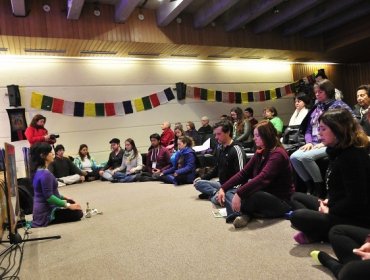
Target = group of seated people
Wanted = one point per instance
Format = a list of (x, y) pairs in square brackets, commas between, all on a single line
[(335, 210)]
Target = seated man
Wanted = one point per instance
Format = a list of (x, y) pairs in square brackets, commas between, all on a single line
[(114, 161), (230, 159), (205, 128), (167, 136), (63, 168), (157, 159), (361, 109)]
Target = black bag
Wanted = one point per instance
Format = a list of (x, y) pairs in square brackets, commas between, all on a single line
[(25, 193), (292, 135)]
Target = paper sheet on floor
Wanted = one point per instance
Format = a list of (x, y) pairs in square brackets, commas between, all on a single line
[(219, 213)]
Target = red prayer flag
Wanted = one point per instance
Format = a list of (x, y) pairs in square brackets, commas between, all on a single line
[(57, 106), (288, 89), (262, 96), (231, 97), (109, 109), (197, 93), (154, 99)]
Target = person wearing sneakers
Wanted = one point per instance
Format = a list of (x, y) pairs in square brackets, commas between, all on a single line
[(266, 180), (351, 245), (347, 181), (230, 158), (64, 169)]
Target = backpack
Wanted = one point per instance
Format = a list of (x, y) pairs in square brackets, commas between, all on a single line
[(25, 194)]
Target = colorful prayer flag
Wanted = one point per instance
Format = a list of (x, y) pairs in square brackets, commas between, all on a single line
[(47, 102), (36, 100), (109, 109), (57, 105), (89, 110), (79, 109), (139, 106)]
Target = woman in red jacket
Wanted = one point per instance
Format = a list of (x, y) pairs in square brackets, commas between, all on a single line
[(37, 133)]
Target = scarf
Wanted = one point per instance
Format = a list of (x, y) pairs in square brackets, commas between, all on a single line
[(129, 155)]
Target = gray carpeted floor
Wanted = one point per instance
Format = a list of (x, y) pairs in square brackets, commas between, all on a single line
[(156, 231)]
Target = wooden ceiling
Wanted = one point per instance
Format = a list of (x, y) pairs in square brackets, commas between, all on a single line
[(298, 31)]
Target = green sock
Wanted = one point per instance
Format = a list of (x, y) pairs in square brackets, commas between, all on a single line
[(315, 256)]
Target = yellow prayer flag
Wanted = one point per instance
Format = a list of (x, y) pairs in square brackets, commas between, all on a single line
[(36, 100), (211, 95), (273, 93), (90, 110), (244, 97), (139, 105)]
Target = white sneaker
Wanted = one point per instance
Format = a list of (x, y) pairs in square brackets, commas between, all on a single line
[(60, 184), (241, 221)]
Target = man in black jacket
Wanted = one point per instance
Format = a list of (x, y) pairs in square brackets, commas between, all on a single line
[(230, 159), (115, 160), (64, 169)]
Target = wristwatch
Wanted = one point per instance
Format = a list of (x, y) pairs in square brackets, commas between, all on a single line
[(67, 205)]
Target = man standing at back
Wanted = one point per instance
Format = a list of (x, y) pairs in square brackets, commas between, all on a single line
[(167, 135), (230, 158)]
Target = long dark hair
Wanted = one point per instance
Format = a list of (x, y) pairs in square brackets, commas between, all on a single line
[(38, 152), (79, 151), (35, 119), (268, 134), (132, 142), (345, 128)]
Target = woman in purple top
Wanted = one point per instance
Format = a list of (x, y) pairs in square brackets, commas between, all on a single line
[(264, 185), (49, 206)]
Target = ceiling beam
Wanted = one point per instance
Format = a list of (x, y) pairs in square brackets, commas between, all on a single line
[(326, 10), (19, 8), (287, 12), (358, 11), (211, 11), (255, 9), (168, 11), (74, 9), (123, 9)]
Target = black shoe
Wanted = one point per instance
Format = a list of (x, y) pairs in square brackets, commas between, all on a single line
[(203, 196), (115, 181), (230, 219)]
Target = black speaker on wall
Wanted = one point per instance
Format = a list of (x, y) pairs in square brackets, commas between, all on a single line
[(180, 90), (14, 96)]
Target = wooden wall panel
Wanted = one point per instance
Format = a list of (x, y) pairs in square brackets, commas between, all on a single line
[(346, 77)]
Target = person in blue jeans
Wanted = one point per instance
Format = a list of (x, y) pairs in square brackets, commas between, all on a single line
[(304, 159), (230, 158), (182, 170), (132, 164)]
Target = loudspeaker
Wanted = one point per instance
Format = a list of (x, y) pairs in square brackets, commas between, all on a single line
[(180, 90), (14, 96)]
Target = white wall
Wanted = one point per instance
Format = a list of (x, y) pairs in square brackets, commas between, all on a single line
[(119, 80)]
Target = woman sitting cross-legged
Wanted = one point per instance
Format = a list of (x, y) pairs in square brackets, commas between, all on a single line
[(49, 206), (347, 181), (86, 163), (304, 159), (351, 245), (265, 182), (132, 164), (182, 171)]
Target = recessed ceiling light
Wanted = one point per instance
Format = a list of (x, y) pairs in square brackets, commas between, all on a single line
[(46, 8)]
